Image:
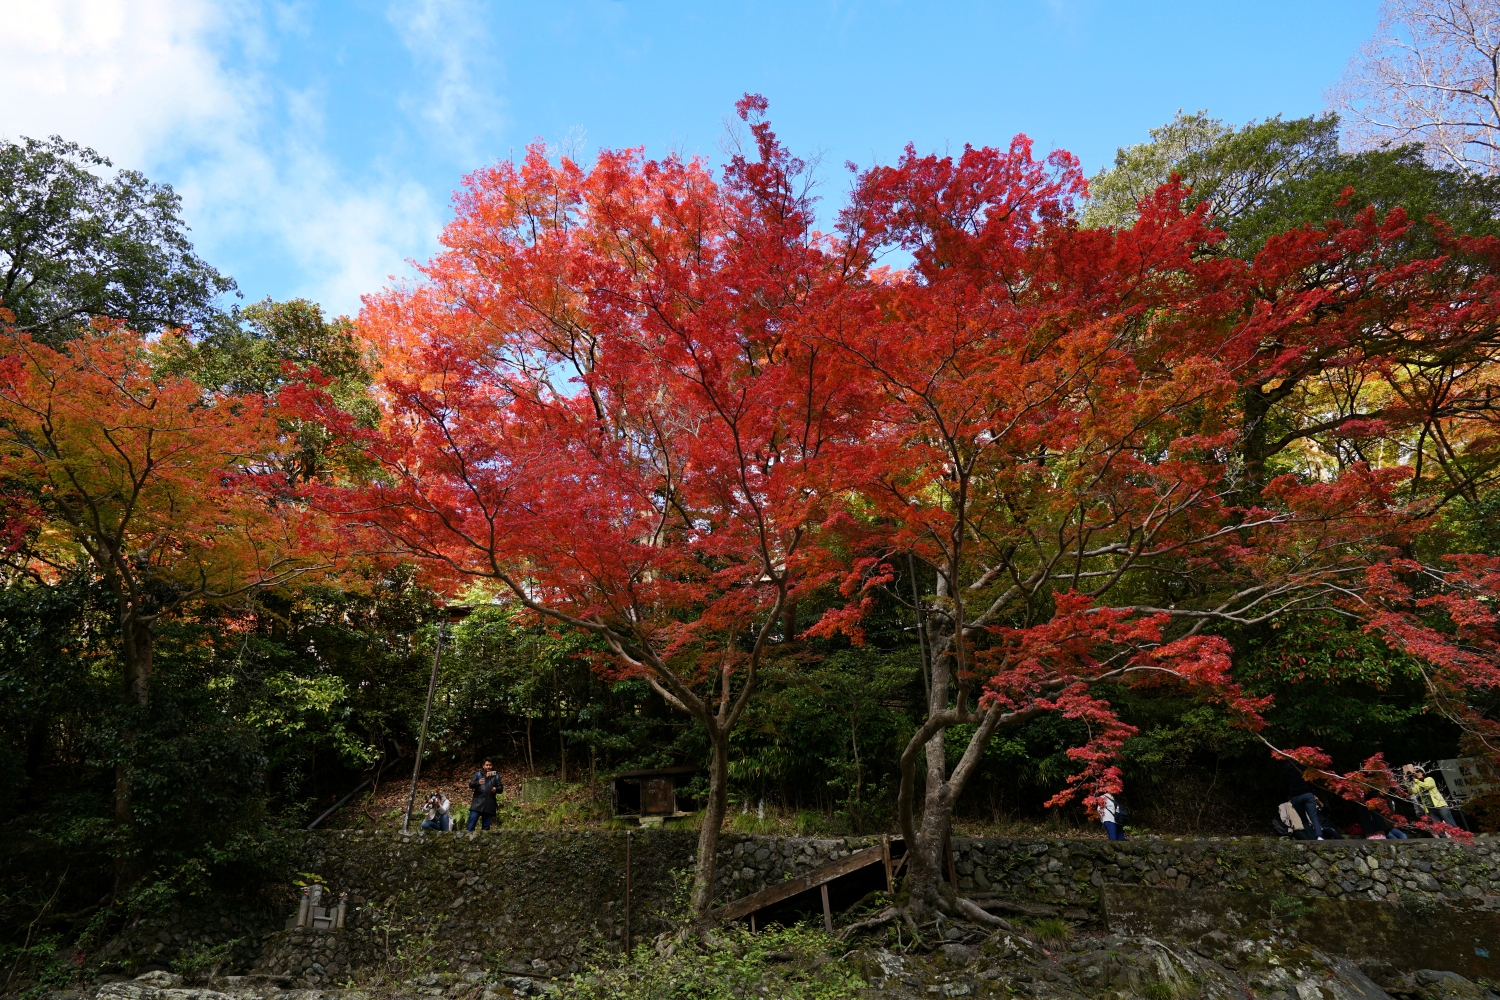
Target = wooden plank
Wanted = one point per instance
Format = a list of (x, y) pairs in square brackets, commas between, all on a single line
[(885, 855), (827, 910), (791, 887)]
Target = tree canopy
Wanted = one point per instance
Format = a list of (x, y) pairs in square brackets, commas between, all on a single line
[(76, 246), (1117, 483)]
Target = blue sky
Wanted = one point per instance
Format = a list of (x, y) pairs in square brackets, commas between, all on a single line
[(316, 144)]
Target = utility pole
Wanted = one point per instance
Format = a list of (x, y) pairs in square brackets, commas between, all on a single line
[(453, 611)]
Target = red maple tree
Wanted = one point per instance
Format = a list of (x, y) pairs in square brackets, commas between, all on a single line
[(1070, 470), (606, 402), (664, 410)]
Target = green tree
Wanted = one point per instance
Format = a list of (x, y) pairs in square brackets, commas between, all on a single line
[(509, 675), (1139, 170), (1266, 177), (828, 729), (76, 246), (266, 347)]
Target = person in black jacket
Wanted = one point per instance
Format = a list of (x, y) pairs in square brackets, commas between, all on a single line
[(1303, 798), (486, 784)]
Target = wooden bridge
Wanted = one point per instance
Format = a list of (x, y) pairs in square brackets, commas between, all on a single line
[(851, 877)]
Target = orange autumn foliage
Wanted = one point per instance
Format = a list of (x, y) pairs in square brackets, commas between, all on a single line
[(139, 478)]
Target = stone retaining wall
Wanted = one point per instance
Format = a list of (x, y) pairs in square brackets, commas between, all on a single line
[(1071, 872), (481, 900), (230, 932), (525, 901)]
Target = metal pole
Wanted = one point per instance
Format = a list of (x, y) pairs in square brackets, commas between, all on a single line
[(416, 772), (629, 835)]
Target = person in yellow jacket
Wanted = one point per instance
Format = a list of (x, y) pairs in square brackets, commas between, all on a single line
[(1425, 792)]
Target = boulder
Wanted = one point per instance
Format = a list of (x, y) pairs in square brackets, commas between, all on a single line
[(160, 979)]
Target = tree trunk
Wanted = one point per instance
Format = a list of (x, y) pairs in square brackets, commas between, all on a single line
[(926, 882), (137, 647), (924, 843), (713, 819), (927, 886), (1256, 437)]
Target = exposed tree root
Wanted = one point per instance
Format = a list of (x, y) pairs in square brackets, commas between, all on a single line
[(712, 940), (881, 919), (941, 911), (967, 908), (911, 925), (667, 942), (1019, 909)]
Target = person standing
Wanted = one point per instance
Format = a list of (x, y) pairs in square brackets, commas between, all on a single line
[(1110, 814), (1303, 798), (486, 785), (1424, 790)]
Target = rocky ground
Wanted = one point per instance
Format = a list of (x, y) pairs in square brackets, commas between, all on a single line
[(1111, 965), (969, 962)]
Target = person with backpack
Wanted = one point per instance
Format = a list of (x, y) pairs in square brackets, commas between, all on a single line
[(1302, 798), (486, 785), (1112, 813)]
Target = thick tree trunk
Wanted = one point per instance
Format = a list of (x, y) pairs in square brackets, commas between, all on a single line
[(924, 840), (137, 647), (713, 820), (927, 886), (1254, 443), (926, 882)]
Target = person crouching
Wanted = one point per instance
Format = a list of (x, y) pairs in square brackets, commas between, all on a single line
[(438, 812)]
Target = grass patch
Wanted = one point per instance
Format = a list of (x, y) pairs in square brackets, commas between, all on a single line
[(1051, 929), (788, 963)]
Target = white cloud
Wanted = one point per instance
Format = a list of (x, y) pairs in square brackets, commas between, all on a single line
[(449, 39), (125, 77), (173, 87)]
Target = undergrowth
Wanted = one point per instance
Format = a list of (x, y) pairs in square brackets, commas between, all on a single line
[(583, 805), (38, 965), (783, 962)]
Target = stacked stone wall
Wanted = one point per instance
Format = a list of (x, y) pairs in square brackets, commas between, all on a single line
[(1071, 872), (481, 900), (528, 901), (225, 933)]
